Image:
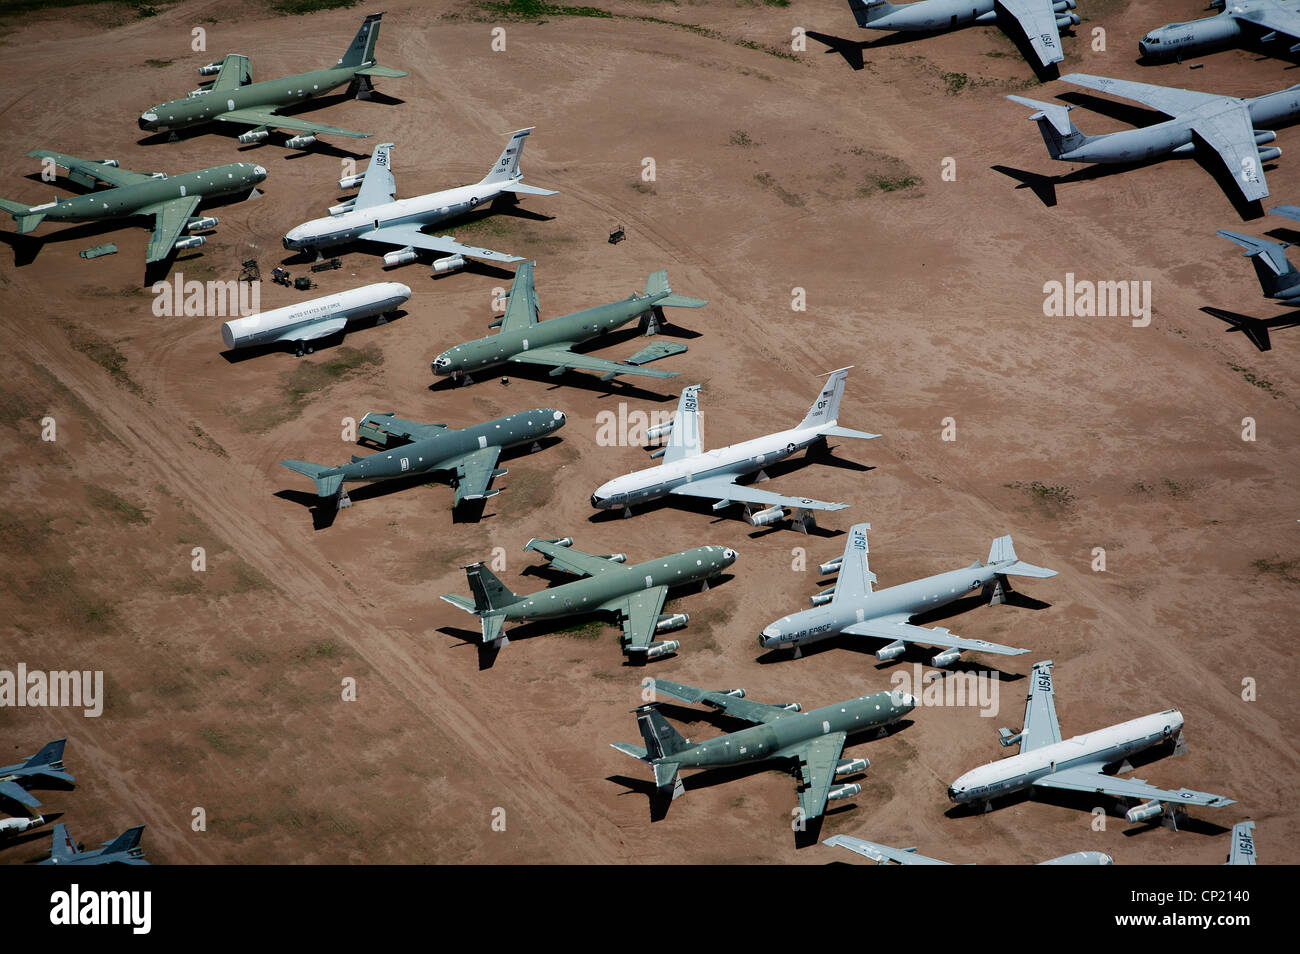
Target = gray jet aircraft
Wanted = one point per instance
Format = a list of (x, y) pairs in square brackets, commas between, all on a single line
[(634, 594), (169, 200), (1038, 20), (813, 742), (45, 766), (1079, 763), (234, 98), (883, 854), (1278, 278), (1265, 21), (522, 339), (851, 607), (470, 455), (1225, 125), (123, 850)]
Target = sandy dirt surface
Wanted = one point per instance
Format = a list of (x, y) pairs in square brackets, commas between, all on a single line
[(775, 171)]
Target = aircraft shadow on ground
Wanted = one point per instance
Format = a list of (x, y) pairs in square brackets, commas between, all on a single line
[(853, 50), (1256, 330)]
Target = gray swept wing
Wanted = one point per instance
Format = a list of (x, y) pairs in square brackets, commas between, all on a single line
[(235, 72), (412, 236), (474, 473), (169, 220), (1091, 779), (686, 436), (1230, 132), (1041, 726), (575, 561), (1038, 21), (855, 578), (559, 356), (897, 628), (640, 612), (1169, 101), (88, 167), (723, 488), (1272, 17), (253, 116), (378, 187), (737, 706), (881, 854), (19, 794), (522, 305), (400, 427), (817, 761)]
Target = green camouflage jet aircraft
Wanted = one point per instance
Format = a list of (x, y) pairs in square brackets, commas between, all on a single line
[(233, 97), (170, 200), (813, 741), (635, 594), (524, 340), (470, 454)]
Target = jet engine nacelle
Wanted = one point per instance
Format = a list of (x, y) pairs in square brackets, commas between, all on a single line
[(1067, 19), (561, 541), (738, 693), (892, 651), (212, 69), (1060, 6), (946, 658), (253, 135), (766, 517), (342, 207), (402, 256), (662, 648), (108, 162), (451, 263), (351, 182), (615, 557), (1264, 135), (851, 766), (822, 598), (671, 622), (791, 707), (657, 431), (1143, 812), (1269, 154), (300, 142), (191, 241), (200, 225), (826, 569), (843, 791)]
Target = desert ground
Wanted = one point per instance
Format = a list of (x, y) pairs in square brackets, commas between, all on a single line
[(775, 171)]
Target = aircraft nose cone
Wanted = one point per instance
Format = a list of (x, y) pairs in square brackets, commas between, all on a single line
[(260, 172), (596, 501), (729, 555), (559, 418), (952, 794)]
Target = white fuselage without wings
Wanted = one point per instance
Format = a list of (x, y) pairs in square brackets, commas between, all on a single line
[(1112, 744), (733, 461), (420, 210)]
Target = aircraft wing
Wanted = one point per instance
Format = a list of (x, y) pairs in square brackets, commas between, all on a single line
[(1242, 851), (268, 117), (573, 561), (1166, 99), (897, 628), (379, 186), (19, 794), (855, 577), (640, 612), (732, 705), (412, 236), (722, 488), (1231, 134), (817, 761), (169, 220), (1041, 725), (1038, 21), (1272, 254), (881, 854), (474, 473), (1091, 779), (313, 332), (234, 73), (521, 305), (560, 357), (685, 437), (91, 169), (1272, 17), (396, 427), (62, 847)]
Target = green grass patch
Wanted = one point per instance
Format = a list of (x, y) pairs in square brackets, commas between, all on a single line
[(1252, 378), (101, 498), (539, 10), (103, 353), (1282, 569)]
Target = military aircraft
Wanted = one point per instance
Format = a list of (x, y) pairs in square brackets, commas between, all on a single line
[(123, 850), (1278, 278), (813, 741), (1078, 764), (377, 215), (883, 854), (233, 97), (1039, 20), (46, 765), (1226, 125), (13, 827), (523, 339), (850, 607), (634, 594), (470, 455), (169, 200), (1242, 851), (689, 471), (1266, 21)]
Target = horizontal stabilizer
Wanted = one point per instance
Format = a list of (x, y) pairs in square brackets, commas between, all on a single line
[(681, 301), (1020, 568), (848, 432), (627, 748), (666, 774), (460, 602), (1054, 113), (27, 219), (378, 70), (328, 479), (653, 352), (526, 189), (492, 623)]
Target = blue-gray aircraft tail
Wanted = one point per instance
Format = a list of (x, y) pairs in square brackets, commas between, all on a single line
[(1002, 554), (1278, 278), (866, 11), (328, 480), (1059, 132), (657, 285)]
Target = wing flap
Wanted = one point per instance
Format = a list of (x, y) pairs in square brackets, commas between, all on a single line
[(817, 761), (169, 220), (474, 473)]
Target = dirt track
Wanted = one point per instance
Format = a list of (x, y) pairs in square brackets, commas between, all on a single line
[(224, 687)]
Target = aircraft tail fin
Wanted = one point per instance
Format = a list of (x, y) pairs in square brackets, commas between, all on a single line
[(51, 754), (27, 219), (507, 165), (866, 11), (1275, 272), (826, 409), (1058, 130), (62, 847), (1002, 554), (127, 841), (491, 596), (661, 739), (361, 51), (328, 480), (656, 286)]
